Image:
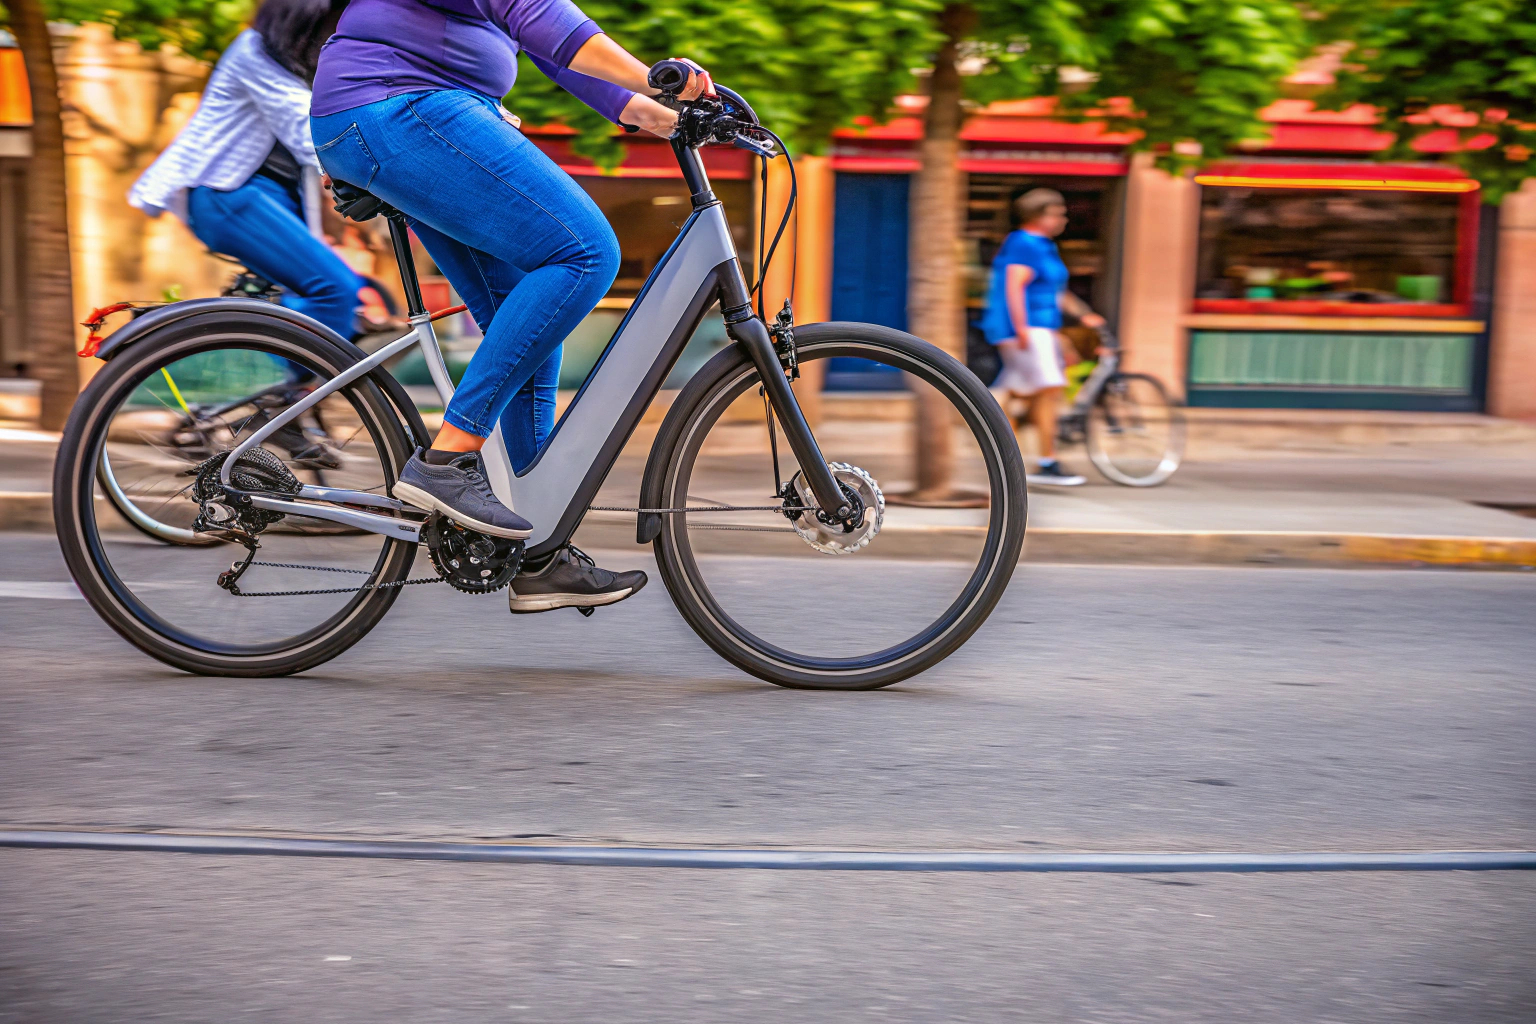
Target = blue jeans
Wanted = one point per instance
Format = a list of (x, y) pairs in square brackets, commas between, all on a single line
[(261, 224), (528, 251)]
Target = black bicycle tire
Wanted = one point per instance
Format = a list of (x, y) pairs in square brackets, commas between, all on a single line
[(80, 541), (1099, 459), (1001, 550)]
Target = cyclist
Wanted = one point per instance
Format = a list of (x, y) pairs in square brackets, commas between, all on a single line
[(406, 105), (236, 175), (1024, 305)]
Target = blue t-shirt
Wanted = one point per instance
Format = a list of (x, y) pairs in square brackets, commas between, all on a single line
[(1041, 296)]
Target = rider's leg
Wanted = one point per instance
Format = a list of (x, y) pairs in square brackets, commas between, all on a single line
[(1032, 367), (261, 223), (512, 232)]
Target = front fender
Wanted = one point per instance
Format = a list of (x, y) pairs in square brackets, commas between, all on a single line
[(242, 308)]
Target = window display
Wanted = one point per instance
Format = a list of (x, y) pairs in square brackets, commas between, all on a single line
[(1353, 248)]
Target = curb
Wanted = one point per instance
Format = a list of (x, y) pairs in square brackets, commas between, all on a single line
[(33, 512)]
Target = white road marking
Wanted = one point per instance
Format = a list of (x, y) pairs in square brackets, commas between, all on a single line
[(41, 591)]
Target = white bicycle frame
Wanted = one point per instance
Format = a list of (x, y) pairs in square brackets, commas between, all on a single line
[(554, 491)]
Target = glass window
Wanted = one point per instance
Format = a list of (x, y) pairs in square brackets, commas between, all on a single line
[(1327, 245)]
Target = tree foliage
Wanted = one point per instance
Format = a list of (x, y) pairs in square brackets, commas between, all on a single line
[(806, 66), (1479, 55), (201, 28), (1195, 71)]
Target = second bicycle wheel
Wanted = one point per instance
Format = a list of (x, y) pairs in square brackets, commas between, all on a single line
[(812, 607), (1135, 432)]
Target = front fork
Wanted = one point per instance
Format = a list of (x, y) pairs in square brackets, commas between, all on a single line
[(748, 331)]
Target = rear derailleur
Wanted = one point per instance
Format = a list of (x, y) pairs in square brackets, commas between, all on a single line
[(472, 562)]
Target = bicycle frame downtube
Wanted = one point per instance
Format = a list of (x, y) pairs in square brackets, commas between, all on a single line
[(753, 337)]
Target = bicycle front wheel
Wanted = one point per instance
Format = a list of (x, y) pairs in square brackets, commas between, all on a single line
[(804, 605), (1135, 432)]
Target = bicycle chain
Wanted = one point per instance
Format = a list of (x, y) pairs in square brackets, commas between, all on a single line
[(701, 508), (236, 591)]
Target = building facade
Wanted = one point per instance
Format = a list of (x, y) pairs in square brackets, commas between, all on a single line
[(1300, 273)]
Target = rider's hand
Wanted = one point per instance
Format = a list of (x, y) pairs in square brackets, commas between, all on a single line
[(645, 113), (699, 82), (1091, 320)]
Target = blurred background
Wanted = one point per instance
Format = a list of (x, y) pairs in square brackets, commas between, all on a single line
[(1309, 235), (1311, 222)]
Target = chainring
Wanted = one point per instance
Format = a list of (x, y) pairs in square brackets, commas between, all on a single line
[(831, 538), (255, 470), (469, 561)]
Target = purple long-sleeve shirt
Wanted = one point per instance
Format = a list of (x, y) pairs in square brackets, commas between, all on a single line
[(384, 48)]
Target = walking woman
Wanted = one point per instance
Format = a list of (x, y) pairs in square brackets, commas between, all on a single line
[(407, 106), (243, 173), (1023, 315)]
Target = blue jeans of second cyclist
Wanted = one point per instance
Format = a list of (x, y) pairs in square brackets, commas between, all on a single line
[(528, 251), (261, 224)]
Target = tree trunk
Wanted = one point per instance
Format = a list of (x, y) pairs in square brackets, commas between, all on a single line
[(50, 329), (934, 310)]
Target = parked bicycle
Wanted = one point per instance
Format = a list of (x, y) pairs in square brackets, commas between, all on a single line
[(1132, 429), (771, 561)]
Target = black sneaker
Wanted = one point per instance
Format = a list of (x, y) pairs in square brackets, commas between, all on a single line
[(461, 492), (1050, 474), (310, 454), (572, 580)]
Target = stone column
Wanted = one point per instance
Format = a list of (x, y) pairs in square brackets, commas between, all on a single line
[(813, 286), (1512, 353), (114, 95), (1158, 271)]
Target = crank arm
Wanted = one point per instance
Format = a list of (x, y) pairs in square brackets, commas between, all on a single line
[(388, 526)]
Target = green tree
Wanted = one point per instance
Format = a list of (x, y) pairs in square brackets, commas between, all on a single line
[(1193, 71), (1479, 55), (806, 66)]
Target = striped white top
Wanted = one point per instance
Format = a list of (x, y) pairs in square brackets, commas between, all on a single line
[(251, 102)]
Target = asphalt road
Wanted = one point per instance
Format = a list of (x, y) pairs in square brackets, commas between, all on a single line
[(1101, 709)]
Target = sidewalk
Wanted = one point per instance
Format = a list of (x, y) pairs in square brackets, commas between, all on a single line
[(1317, 500)]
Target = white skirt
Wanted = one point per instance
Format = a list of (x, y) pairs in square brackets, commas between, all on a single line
[(1035, 368)]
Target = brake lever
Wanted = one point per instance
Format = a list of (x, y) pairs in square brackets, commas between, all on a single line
[(751, 145)]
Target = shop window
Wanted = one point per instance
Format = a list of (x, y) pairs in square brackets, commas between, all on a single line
[(1329, 250), (647, 213)]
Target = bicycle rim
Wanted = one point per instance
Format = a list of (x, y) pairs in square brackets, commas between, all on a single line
[(1135, 433), (154, 415)]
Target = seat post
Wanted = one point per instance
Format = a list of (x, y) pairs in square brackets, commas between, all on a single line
[(399, 234)]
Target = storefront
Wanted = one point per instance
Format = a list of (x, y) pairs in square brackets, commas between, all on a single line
[(1008, 149), (1325, 284)]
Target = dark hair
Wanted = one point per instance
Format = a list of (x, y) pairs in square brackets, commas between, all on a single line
[(1035, 202), (294, 30)]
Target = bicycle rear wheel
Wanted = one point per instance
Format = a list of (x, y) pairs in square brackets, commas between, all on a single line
[(1135, 432), (164, 598), (810, 607)]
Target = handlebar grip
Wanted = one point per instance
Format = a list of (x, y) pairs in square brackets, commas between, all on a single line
[(670, 76)]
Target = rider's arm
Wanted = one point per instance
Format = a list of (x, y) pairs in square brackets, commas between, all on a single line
[(1015, 280), (1074, 306), (280, 98)]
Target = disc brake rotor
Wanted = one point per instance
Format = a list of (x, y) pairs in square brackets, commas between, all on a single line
[(830, 538)]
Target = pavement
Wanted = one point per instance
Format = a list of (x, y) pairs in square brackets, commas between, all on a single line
[(1101, 709), (1257, 487)]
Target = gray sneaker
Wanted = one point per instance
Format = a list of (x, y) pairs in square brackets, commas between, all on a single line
[(572, 580), (461, 492)]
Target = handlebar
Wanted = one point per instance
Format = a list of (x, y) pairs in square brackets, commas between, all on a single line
[(670, 76), (725, 118)]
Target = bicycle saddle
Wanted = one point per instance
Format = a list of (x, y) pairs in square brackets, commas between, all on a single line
[(358, 204)]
